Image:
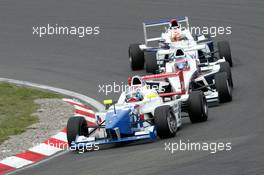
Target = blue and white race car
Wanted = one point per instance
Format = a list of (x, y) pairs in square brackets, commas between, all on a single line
[(143, 112)]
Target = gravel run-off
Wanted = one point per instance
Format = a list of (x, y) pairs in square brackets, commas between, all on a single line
[(52, 114)]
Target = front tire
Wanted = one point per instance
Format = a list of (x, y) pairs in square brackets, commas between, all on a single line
[(224, 67), (151, 62), (225, 51), (223, 87), (76, 126), (136, 57), (165, 121), (197, 107)]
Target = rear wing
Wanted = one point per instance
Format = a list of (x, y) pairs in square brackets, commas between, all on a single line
[(182, 21), (168, 75)]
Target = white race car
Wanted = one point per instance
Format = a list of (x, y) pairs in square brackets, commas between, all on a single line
[(176, 35), (215, 80)]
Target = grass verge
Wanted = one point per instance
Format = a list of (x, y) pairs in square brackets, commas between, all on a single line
[(16, 108)]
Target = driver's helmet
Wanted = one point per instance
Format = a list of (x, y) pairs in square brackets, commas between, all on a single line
[(182, 65), (134, 96), (174, 24), (174, 31)]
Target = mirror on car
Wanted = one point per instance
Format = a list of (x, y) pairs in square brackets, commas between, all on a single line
[(108, 103)]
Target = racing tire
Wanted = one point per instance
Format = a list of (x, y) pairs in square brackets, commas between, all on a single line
[(223, 87), (136, 57), (225, 51), (224, 67), (151, 62), (197, 107), (165, 122), (76, 126)]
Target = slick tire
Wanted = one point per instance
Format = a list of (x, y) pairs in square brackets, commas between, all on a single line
[(225, 51), (76, 126), (223, 87), (197, 107), (151, 62), (224, 67), (136, 57), (165, 122)]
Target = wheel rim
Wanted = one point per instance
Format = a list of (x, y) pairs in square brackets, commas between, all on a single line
[(172, 123)]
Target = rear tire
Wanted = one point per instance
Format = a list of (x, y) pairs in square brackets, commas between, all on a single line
[(225, 51), (223, 87), (76, 126), (165, 121), (136, 57), (197, 107), (151, 62), (224, 67)]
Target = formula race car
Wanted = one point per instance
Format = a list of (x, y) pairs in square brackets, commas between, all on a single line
[(215, 80), (177, 35), (143, 112)]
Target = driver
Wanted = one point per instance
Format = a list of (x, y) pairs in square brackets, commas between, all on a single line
[(175, 31), (134, 97)]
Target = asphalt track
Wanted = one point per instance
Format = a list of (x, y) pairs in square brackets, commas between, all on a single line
[(81, 64)]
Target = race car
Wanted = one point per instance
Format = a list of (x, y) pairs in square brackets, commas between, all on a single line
[(215, 80), (177, 35), (143, 112)]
